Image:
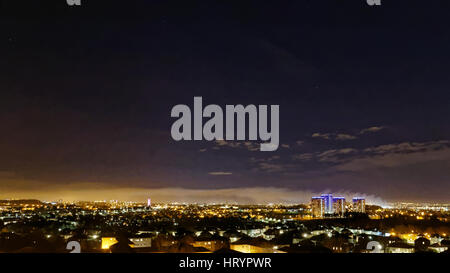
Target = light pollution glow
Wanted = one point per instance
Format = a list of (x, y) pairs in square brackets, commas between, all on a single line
[(248, 195)]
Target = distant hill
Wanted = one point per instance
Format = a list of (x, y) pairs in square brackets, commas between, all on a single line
[(21, 201)]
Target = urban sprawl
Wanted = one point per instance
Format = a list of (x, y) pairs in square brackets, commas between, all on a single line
[(327, 224)]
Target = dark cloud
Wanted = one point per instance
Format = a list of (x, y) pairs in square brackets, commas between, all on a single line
[(345, 137), (397, 155), (220, 173), (371, 129)]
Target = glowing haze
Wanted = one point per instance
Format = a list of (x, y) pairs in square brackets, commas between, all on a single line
[(255, 195)]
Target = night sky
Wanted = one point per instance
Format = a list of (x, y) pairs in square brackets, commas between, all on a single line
[(86, 95)]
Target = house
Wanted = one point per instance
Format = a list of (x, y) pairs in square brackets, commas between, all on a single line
[(210, 242), (399, 247), (438, 248), (254, 245), (141, 241)]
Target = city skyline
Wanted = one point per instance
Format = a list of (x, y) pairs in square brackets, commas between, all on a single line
[(28, 226), (347, 198)]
